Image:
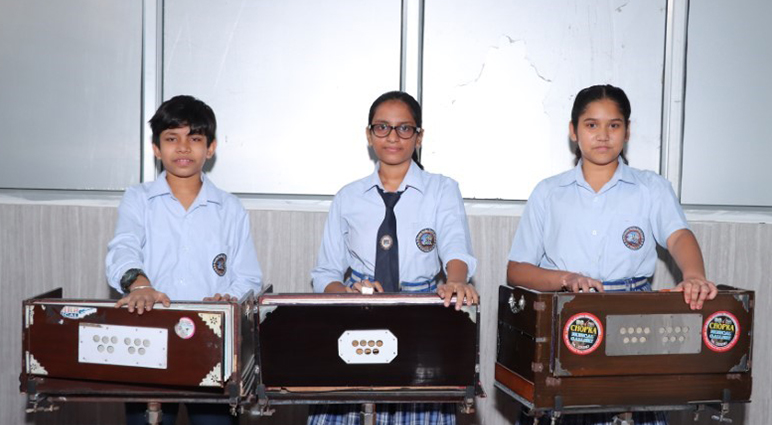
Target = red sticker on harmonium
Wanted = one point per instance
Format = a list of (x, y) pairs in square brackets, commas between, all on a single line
[(583, 333), (721, 331)]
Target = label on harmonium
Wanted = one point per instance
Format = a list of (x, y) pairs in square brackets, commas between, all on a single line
[(131, 346), (649, 334), (375, 346)]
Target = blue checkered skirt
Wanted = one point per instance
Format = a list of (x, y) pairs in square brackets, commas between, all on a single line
[(386, 414)]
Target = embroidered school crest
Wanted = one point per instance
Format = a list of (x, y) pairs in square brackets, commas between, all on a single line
[(633, 238), (426, 240), (386, 242), (219, 264)]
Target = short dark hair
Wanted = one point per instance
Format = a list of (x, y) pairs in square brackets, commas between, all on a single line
[(409, 101), (599, 92), (184, 111)]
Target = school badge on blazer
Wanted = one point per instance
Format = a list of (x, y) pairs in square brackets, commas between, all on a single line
[(218, 264), (426, 240), (633, 238)]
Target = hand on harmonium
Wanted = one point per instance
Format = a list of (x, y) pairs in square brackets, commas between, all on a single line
[(575, 282), (365, 287), (463, 291), (222, 297), (696, 290), (142, 298)]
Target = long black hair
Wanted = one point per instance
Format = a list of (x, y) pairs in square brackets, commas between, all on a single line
[(412, 105), (599, 92)]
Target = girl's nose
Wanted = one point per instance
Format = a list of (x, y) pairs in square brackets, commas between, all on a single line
[(393, 136)]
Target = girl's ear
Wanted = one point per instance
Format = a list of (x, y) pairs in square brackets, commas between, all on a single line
[(627, 132), (369, 135), (419, 139), (156, 151), (572, 132)]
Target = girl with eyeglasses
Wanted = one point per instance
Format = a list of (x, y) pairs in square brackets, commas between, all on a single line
[(597, 226), (398, 229)]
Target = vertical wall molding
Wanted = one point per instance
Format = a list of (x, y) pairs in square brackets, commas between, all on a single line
[(412, 48), (152, 80), (674, 92)]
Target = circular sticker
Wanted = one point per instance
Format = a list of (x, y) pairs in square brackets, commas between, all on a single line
[(583, 333), (386, 242), (218, 264), (426, 240), (633, 238), (721, 331), (185, 328)]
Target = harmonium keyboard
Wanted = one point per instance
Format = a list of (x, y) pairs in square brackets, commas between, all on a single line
[(352, 348), (565, 352), (88, 350)]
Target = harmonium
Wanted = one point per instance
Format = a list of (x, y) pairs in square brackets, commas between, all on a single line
[(262, 351), (88, 350), (363, 349), (564, 353)]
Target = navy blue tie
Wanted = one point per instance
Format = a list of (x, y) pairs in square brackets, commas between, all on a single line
[(387, 248)]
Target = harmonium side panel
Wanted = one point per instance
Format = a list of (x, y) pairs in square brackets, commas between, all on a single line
[(524, 339), (652, 333), (82, 340), (350, 344), (245, 347)]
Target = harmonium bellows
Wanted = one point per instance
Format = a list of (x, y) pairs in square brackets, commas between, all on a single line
[(343, 348), (88, 350), (595, 352)]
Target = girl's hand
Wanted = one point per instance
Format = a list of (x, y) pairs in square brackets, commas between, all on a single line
[(224, 297), (143, 299), (696, 290), (463, 291), (366, 287), (575, 282)]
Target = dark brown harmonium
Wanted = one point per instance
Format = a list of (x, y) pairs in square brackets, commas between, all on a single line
[(352, 348), (616, 352), (87, 350)]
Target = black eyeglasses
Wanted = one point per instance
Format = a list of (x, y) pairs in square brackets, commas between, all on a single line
[(404, 131)]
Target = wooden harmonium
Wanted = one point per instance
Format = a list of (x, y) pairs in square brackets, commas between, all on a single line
[(576, 352), (87, 350), (352, 348)]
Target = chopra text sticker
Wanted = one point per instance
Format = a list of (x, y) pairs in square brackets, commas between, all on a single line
[(721, 331), (583, 333)]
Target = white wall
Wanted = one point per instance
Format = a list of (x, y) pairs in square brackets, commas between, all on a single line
[(727, 142), (291, 83), (70, 94), (500, 79)]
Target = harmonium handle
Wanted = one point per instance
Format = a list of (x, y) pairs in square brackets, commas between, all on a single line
[(516, 306)]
